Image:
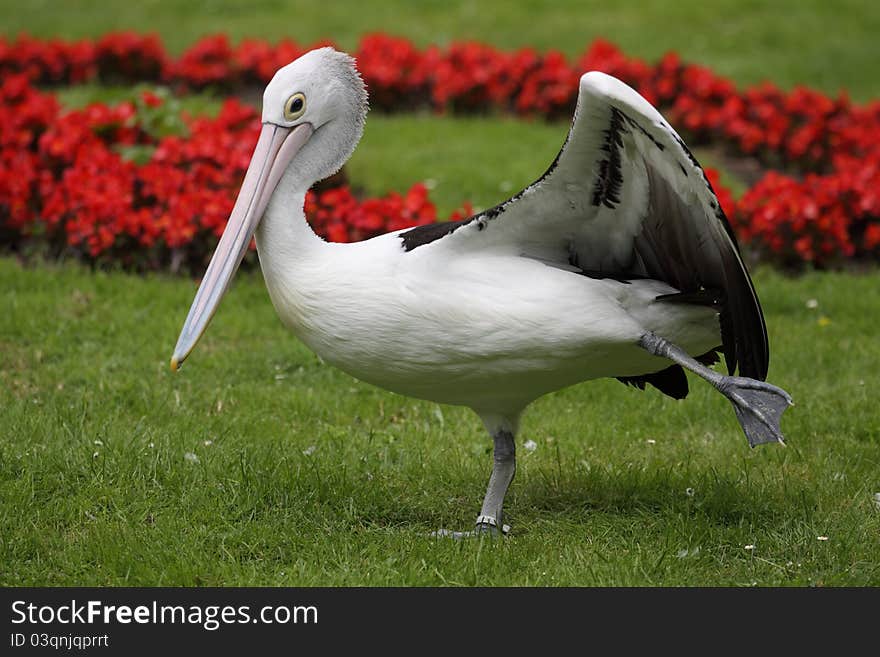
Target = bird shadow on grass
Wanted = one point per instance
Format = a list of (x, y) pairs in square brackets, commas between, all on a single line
[(718, 499), (722, 502)]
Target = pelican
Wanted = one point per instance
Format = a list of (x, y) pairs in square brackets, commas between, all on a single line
[(617, 262)]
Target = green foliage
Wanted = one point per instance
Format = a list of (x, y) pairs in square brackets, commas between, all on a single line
[(257, 464), (163, 119)]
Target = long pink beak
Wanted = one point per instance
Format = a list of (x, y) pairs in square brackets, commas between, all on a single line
[(274, 151)]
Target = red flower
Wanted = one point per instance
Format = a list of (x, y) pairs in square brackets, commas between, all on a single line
[(151, 100), (130, 56), (550, 89), (257, 61), (393, 70), (210, 61)]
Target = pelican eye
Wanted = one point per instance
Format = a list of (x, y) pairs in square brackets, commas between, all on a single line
[(295, 107)]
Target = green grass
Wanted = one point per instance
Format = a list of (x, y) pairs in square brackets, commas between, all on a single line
[(311, 477), (302, 475), (823, 44), (481, 159)]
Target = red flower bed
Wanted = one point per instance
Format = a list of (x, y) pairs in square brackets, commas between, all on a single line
[(64, 179), (823, 211)]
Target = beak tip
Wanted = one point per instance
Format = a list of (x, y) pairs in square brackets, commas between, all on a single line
[(175, 364)]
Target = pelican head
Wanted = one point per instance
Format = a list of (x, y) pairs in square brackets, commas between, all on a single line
[(313, 117)]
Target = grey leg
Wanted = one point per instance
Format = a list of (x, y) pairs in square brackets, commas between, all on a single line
[(758, 405), (490, 520), (503, 469)]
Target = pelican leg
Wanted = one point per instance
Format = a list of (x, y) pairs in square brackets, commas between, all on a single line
[(758, 405), (490, 520)]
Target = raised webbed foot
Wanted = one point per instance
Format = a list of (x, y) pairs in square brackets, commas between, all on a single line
[(758, 406)]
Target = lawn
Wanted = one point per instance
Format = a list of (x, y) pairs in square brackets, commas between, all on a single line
[(259, 465), (830, 46)]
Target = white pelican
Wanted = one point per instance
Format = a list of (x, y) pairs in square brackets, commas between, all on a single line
[(617, 262)]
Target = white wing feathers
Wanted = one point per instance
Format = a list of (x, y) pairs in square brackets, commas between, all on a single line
[(625, 198)]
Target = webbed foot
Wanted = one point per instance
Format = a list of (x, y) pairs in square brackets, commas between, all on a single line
[(486, 526), (758, 405)]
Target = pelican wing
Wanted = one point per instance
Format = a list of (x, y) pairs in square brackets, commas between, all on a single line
[(625, 199)]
